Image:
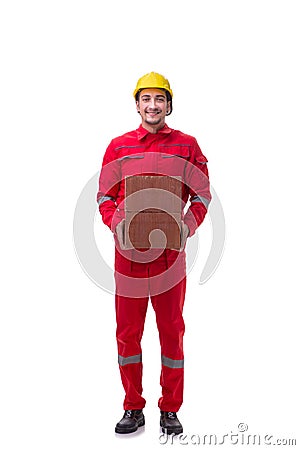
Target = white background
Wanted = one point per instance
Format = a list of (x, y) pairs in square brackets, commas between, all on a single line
[(67, 76)]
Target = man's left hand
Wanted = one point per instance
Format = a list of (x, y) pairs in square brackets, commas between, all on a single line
[(185, 231)]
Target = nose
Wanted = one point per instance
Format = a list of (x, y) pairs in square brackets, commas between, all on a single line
[(152, 103)]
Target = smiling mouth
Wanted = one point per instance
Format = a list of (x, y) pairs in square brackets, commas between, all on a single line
[(153, 113)]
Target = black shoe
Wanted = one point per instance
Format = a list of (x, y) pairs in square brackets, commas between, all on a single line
[(170, 423), (132, 419)]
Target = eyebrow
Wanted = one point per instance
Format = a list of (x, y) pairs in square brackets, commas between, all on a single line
[(156, 96)]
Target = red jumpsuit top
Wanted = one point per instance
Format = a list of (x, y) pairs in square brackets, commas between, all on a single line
[(167, 152)]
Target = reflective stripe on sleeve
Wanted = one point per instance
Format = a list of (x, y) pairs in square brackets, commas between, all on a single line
[(104, 199), (172, 363), (129, 360), (198, 198)]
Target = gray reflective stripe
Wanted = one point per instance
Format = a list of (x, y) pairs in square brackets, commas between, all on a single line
[(104, 199), (172, 363), (131, 157), (198, 198), (175, 154), (129, 360), (174, 145), (129, 146)]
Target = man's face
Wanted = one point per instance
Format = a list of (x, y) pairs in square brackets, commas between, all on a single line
[(153, 107)]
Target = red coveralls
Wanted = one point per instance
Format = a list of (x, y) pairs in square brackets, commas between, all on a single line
[(158, 274)]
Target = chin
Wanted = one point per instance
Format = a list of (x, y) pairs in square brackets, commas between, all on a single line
[(153, 121)]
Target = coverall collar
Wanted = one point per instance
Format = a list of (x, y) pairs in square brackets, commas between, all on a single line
[(142, 132)]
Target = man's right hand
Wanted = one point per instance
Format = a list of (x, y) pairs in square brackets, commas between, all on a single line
[(120, 232)]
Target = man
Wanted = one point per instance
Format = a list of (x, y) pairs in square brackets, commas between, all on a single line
[(158, 274)]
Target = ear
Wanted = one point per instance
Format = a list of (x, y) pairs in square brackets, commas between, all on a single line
[(137, 106), (168, 107)]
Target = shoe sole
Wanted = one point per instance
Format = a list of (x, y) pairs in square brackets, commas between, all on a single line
[(172, 430), (130, 430)]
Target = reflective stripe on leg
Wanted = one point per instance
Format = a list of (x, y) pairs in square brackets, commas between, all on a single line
[(172, 363), (129, 360)]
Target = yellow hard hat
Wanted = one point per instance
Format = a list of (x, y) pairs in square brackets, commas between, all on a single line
[(153, 80)]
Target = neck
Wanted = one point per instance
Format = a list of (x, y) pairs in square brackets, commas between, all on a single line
[(152, 128)]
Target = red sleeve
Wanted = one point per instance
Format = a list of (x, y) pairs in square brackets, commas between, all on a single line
[(109, 183), (197, 181)]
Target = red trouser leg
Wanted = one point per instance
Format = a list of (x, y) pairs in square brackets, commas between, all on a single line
[(130, 315), (168, 308)]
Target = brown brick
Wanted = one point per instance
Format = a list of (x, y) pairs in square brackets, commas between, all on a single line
[(156, 204)]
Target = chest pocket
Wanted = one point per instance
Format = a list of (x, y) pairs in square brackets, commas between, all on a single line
[(131, 160), (173, 160)]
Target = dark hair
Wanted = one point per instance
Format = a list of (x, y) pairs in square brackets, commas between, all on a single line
[(168, 95)]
